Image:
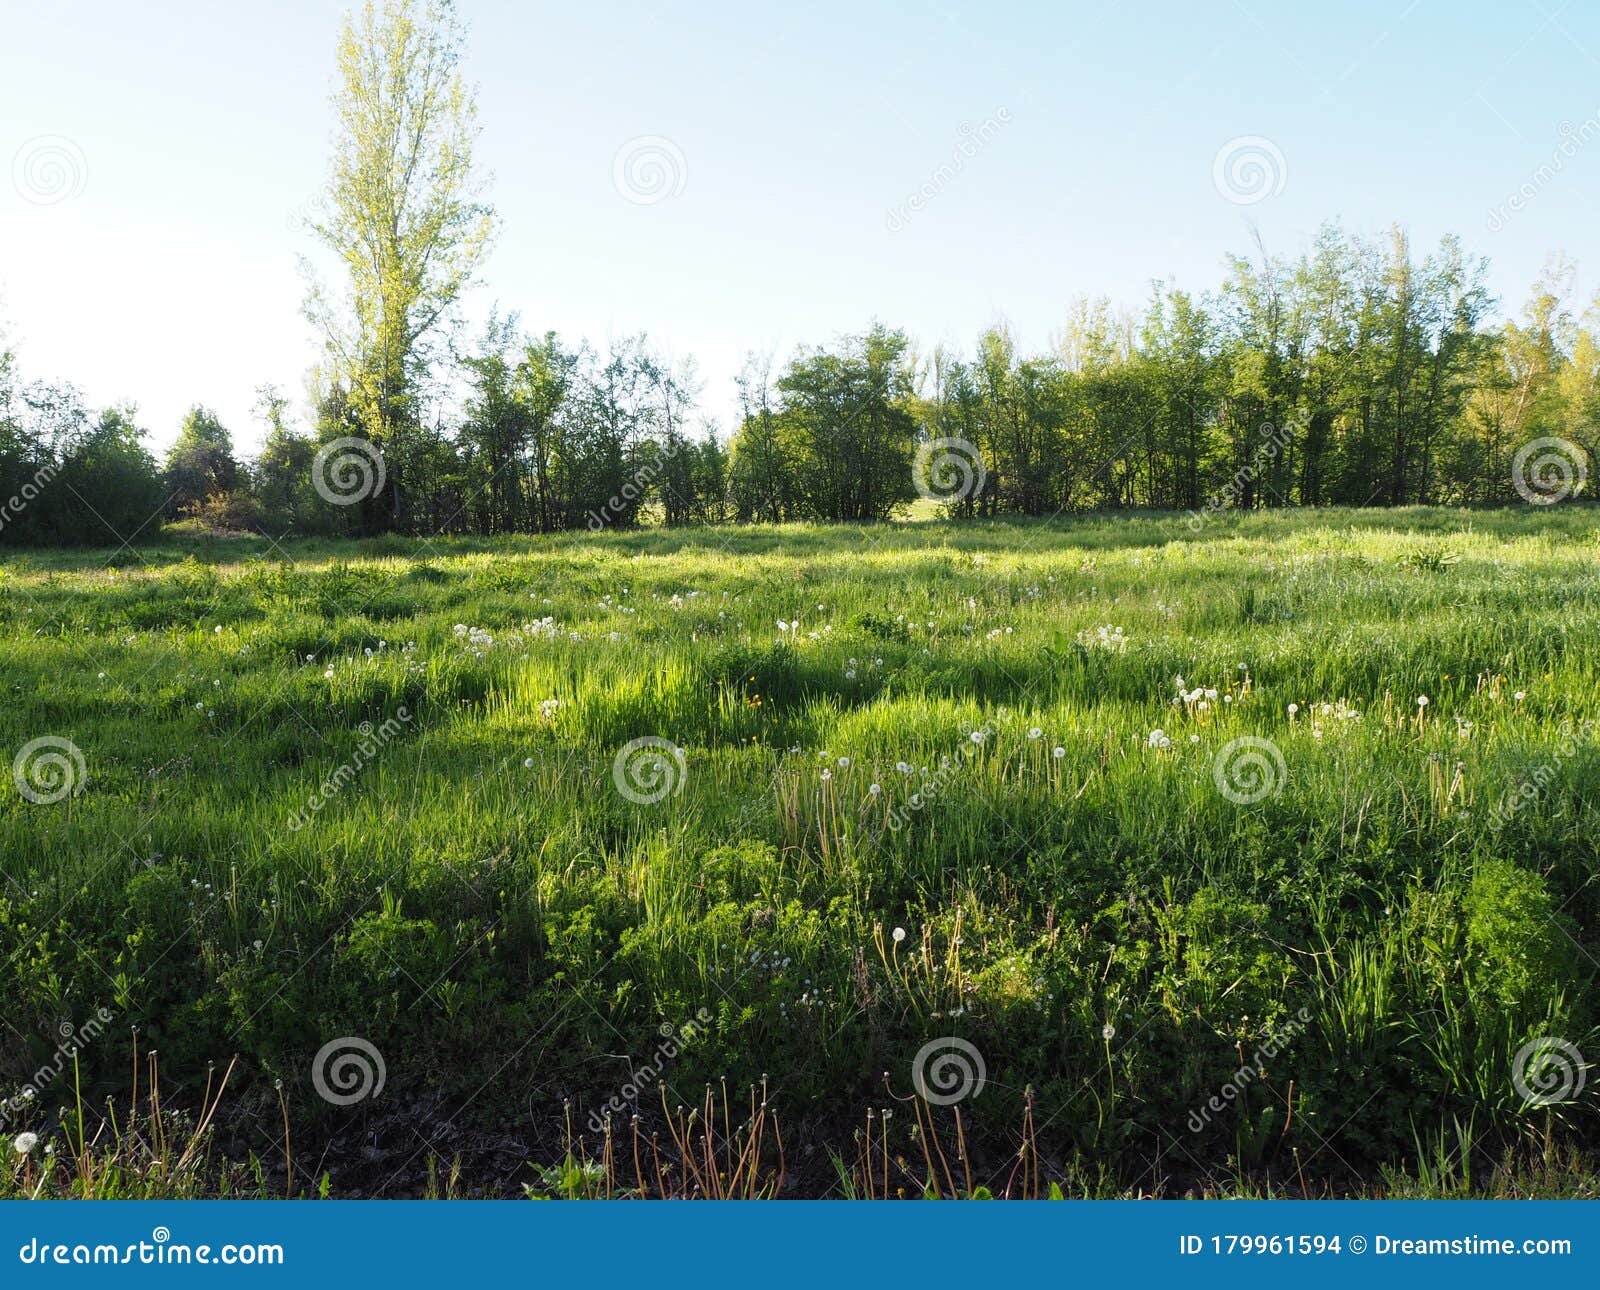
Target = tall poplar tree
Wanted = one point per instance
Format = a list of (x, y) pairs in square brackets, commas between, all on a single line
[(404, 214)]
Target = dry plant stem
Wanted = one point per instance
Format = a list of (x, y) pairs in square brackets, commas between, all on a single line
[(961, 1150), (885, 1140), (638, 1165), (866, 1153), (206, 1116), (655, 1151)]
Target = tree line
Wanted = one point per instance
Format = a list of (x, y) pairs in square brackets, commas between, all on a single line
[(1373, 375), (1358, 372)]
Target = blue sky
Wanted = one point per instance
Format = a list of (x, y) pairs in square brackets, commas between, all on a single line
[(166, 274)]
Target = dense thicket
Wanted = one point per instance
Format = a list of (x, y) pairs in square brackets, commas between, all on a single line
[(1357, 374)]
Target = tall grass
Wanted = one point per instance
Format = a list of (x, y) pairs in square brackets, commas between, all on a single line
[(248, 863)]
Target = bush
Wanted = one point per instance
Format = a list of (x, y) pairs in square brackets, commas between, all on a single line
[(1521, 949)]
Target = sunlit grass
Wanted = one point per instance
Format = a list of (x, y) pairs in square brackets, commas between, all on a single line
[(476, 897)]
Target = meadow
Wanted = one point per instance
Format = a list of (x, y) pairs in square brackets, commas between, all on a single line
[(1131, 855)]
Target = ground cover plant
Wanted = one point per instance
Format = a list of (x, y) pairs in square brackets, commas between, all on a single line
[(1128, 855)]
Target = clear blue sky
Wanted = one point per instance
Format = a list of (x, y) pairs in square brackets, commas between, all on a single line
[(170, 277)]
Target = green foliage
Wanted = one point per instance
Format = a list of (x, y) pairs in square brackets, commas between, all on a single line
[(255, 862), (1523, 949), (200, 464)]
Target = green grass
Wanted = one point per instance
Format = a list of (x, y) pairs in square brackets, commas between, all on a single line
[(1111, 932)]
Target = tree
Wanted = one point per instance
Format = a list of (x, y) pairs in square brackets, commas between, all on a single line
[(1265, 342), (675, 467), (545, 380), (763, 461), (1457, 300), (849, 411), (1579, 384), (200, 462), (404, 216), (496, 431), (1324, 283), (280, 477), (1522, 391), (27, 459), (709, 467), (109, 490)]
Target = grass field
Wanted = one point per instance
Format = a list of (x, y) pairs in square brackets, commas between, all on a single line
[(1131, 846)]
